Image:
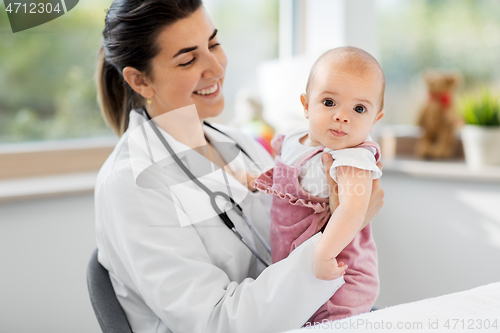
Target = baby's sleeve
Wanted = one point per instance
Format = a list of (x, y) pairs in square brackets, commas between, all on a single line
[(360, 157)]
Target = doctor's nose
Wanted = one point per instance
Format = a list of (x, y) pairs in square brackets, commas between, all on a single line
[(215, 67)]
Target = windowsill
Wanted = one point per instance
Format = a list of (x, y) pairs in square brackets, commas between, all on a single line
[(40, 187), (51, 168), (51, 145), (53, 158), (457, 170)]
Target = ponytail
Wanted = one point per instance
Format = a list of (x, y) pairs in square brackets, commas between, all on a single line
[(114, 95)]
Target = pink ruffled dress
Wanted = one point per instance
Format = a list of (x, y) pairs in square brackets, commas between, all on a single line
[(297, 215)]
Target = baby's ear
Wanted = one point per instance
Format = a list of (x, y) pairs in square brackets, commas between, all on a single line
[(304, 99), (379, 116)]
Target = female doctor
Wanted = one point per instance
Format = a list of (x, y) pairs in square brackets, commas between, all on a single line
[(174, 263)]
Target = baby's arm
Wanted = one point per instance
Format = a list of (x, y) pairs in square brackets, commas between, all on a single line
[(354, 188)]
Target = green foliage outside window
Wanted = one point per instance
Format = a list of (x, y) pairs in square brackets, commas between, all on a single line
[(47, 88), (447, 34)]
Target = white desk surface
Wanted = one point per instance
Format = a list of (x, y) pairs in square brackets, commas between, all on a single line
[(473, 310)]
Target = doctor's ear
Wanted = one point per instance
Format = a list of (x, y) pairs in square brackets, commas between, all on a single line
[(304, 99), (138, 81)]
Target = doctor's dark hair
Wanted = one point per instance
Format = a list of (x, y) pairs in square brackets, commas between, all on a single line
[(130, 39)]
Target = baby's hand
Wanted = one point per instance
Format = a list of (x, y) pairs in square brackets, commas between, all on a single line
[(327, 269)]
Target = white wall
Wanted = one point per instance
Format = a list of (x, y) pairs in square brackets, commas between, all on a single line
[(436, 237), (45, 246), (333, 23)]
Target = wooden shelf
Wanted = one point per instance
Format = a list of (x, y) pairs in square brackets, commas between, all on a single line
[(442, 170), (397, 143), (35, 159), (47, 186)]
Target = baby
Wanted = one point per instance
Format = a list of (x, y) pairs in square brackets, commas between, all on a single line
[(343, 100)]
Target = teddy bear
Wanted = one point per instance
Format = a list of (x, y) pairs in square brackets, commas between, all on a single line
[(438, 118)]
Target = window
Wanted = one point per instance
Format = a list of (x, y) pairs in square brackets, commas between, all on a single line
[(47, 89), (447, 34)]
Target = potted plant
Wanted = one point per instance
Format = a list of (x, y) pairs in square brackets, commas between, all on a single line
[(481, 134)]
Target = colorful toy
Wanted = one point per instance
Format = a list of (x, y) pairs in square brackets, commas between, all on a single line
[(250, 121)]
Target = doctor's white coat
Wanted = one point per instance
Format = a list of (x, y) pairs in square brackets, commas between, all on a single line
[(174, 264)]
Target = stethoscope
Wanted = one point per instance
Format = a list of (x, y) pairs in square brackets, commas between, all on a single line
[(213, 195)]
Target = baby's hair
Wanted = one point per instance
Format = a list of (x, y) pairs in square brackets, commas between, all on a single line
[(353, 60)]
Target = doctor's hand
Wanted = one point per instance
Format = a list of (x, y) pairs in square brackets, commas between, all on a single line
[(376, 198), (246, 179)]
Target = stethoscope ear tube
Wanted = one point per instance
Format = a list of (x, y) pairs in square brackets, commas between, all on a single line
[(222, 214), (255, 231)]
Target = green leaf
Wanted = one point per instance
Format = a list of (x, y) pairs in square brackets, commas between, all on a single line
[(482, 109)]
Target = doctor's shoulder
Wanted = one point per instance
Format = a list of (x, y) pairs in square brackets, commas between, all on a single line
[(116, 174)]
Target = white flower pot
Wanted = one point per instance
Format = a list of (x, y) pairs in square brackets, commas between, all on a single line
[(481, 145)]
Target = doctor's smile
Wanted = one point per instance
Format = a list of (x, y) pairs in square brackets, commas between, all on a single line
[(209, 92)]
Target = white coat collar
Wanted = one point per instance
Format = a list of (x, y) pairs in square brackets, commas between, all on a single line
[(146, 148), (154, 168)]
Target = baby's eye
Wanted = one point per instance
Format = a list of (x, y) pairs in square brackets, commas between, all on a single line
[(359, 108), (328, 102)]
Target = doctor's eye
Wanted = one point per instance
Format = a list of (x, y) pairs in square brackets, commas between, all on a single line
[(187, 63), (328, 102), (359, 109)]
